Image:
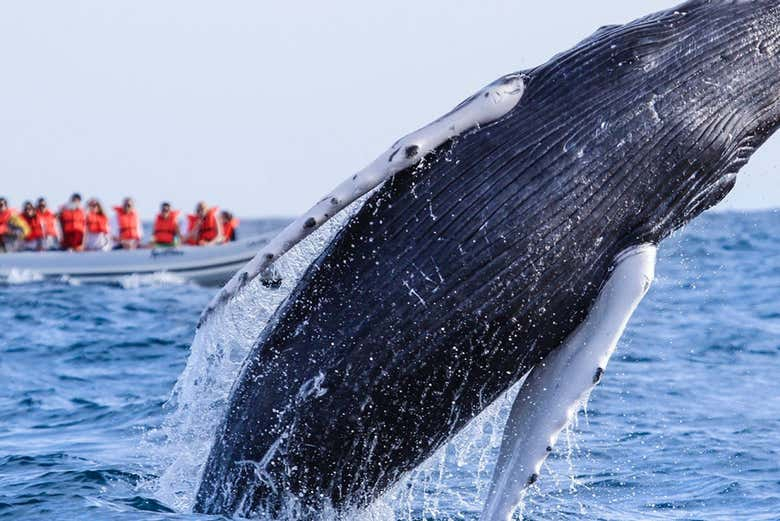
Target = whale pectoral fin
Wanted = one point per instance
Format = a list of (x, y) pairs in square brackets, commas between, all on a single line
[(488, 105), (559, 385)]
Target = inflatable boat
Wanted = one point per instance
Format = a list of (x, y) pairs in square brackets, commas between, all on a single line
[(205, 265)]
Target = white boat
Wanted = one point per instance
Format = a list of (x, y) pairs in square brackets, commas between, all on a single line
[(205, 265)]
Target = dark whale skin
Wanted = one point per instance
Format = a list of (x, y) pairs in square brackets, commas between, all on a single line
[(458, 276)]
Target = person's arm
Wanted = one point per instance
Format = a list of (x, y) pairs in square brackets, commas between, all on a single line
[(61, 236), (219, 238), (140, 229), (114, 230), (192, 236)]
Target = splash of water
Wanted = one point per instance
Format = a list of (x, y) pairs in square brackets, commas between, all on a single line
[(198, 401), (473, 450), (19, 276), (136, 281)]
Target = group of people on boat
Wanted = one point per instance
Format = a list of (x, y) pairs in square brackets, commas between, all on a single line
[(75, 228)]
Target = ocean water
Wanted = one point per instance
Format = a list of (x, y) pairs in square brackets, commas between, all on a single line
[(686, 424)]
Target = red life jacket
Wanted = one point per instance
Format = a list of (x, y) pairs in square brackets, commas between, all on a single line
[(36, 230), (207, 227), (128, 224), (49, 223), (192, 222), (229, 229), (165, 229), (5, 216), (72, 220), (97, 223)]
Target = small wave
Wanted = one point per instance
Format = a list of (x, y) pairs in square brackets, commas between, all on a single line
[(70, 281), (100, 477), (154, 279), (17, 276), (146, 504)]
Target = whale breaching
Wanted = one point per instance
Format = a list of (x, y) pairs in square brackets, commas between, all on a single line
[(517, 233)]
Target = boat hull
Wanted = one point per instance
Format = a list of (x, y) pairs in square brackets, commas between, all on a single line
[(208, 266)]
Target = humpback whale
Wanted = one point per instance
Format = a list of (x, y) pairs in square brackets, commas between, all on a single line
[(514, 236)]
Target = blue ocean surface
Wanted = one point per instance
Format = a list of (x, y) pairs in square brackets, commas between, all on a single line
[(685, 426)]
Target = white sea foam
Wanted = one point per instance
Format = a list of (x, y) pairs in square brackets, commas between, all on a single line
[(17, 276), (155, 279)]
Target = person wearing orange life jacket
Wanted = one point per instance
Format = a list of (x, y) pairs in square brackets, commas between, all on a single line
[(6, 233), (128, 226), (51, 230), (73, 224), (98, 237), (166, 227), (229, 226), (5, 215), (204, 226), (33, 238)]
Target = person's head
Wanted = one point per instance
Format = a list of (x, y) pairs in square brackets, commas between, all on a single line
[(42, 205), (29, 209), (95, 206), (75, 199), (165, 209), (226, 216), (3, 204), (128, 204), (201, 209)]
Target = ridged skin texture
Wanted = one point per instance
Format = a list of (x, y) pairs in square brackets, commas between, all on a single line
[(459, 276)]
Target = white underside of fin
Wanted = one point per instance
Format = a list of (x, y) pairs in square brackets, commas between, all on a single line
[(487, 106), (560, 385)]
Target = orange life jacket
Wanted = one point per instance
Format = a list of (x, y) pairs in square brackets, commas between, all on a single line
[(165, 229), (97, 223), (207, 227), (5, 216), (128, 224), (49, 223), (36, 230), (72, 220), (229, 229), (192, 222)]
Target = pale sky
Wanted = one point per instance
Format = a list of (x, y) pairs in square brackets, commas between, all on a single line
[(260, 107)]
